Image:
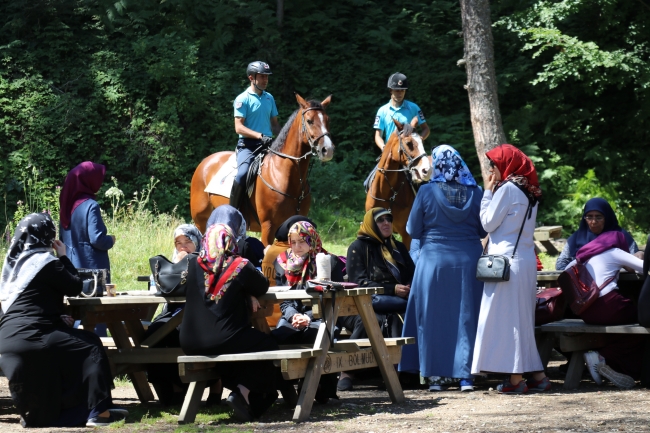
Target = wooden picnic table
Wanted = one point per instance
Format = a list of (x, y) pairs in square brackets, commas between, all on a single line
[(123, 315), (309, 362)]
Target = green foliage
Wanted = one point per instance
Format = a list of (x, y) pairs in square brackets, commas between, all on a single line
[(146, 88)]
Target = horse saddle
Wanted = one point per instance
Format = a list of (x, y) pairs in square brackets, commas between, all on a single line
[(221, 182)]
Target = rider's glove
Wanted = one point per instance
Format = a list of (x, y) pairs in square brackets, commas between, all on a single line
[(266, 140)]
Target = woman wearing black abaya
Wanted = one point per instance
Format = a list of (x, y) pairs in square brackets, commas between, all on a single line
[(58, 376), (217, 321)]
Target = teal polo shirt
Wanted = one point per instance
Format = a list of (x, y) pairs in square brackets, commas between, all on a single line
[(404, 114), (256, 111)]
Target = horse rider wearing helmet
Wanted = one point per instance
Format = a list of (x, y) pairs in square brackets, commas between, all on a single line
[(256, 120), (399, 109)]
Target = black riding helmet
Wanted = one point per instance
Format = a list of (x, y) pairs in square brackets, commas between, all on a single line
[(398, 81), (258, 68)]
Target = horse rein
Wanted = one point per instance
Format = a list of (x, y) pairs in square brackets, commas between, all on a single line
[(313, 150)]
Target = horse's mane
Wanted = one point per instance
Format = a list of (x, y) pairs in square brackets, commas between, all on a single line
[(278, 143)]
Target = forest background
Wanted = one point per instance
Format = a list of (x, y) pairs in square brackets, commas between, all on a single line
[(146, 88)]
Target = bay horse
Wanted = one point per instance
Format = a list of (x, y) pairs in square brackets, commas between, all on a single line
[(390, 188), (281, 187)]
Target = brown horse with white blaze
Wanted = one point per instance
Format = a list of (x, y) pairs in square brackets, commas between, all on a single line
[(281, 187), (390, 188)]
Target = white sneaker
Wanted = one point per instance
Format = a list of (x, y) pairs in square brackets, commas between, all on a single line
[(619, 379), (593, 359), (435, 388)]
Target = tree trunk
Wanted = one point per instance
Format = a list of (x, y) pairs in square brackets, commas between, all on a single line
[(279, 12), (481, 78)]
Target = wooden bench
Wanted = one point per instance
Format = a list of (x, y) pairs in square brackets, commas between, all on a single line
[(198, 370), (309, 363), (576, 337), (544, 234), (293, 362)]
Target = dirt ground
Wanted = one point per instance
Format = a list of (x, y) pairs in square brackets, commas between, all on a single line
[(368, 409)]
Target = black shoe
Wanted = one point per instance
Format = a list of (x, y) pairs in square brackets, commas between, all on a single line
[(345, 384), (239, 406), (100, 421), (119, 410)]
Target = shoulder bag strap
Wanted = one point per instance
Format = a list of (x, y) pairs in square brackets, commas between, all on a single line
[(521, 229)]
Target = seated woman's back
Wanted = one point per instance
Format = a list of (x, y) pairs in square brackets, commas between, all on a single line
[(220, 285)]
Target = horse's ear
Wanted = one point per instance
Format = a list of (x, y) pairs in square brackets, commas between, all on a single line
[(398, 124), (326, 101), (301, 101)]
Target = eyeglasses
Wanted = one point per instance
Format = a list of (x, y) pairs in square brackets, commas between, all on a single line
[(384, 219), (594, 218)]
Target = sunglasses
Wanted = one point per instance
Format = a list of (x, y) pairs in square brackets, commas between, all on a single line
[(384, 219)]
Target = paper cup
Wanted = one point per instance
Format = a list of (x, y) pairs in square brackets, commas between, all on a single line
[(110, 290)]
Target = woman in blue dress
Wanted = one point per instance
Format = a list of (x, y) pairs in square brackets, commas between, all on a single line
[(443, 308)]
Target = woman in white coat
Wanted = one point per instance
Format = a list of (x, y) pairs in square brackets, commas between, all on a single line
[(505, 339)]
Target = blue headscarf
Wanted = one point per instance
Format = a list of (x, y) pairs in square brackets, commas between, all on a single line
[(583, 235), (228, 215), (448, 165)]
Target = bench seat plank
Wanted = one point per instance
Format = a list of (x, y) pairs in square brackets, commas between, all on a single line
[(577, 325), (270, 355)]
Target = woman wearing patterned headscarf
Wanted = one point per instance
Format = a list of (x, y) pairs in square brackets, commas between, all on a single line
[(217, 320), (249, 247), (446, 228), (376, 259), (294, 267), (505, 339), (597, 217), (52, 383)]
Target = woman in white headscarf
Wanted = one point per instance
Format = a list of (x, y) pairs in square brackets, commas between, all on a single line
[(58, 376)]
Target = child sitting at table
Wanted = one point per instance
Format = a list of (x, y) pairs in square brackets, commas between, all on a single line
[(293, 268)]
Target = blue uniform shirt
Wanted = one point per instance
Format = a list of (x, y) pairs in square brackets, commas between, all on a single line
[(256, 111), (404, 114)]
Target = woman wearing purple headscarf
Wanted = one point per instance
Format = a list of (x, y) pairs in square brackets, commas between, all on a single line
[(597, 217), (82, 229), (620, 360)]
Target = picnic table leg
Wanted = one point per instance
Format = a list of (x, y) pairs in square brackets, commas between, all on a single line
[(138, 378), (574, 373), (364, 306), (315, 366), (191, 402), (545, 343)]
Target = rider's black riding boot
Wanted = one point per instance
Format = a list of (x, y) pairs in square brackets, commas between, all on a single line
[(236, 195)]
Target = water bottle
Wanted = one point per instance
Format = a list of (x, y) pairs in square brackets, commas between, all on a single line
[(152, 285)]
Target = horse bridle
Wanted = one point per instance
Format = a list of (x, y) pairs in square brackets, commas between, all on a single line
[(411, 162), (313, 150)]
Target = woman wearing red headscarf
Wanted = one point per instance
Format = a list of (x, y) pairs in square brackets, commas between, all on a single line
[(82, 229), (505, 339)]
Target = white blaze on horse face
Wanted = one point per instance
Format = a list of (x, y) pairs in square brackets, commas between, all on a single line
[(327, 147), (422, 171)]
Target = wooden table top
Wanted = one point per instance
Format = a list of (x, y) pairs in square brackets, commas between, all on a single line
[(143, 297)]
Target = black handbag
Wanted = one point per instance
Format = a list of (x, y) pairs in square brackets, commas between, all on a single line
[(493, 268), (94, 282), (171, 278)]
